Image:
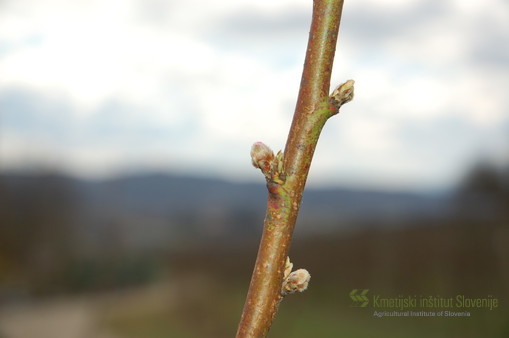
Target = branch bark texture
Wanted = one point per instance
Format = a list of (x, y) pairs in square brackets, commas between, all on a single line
[(314, 107)]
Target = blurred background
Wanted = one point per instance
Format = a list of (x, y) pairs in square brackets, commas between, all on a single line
[(128, 204)]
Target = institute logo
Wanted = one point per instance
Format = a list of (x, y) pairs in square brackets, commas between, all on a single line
[(359, 297)]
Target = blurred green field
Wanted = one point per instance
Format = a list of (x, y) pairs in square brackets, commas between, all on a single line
[(200, 292), (322, 313), (207, 294)]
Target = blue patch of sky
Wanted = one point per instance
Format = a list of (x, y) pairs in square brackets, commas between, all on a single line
[(273, 38), (5, 47), (446, 143), (436, 136), (32, 40), (34, 116), (30, 113), (120, 123)]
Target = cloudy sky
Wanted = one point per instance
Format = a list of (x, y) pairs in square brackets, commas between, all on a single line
[(100, 87)]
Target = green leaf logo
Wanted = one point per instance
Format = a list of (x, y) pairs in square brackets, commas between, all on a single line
[(359, 297)]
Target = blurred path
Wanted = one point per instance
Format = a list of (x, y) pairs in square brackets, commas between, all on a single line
[(53, 319)]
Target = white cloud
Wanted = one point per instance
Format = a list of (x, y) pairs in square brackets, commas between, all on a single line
[(191, 83)]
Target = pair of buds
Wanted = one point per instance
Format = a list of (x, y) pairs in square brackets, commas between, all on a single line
[(296, 281), (262, 157)]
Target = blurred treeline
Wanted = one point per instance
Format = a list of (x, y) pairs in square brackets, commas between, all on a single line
[(44, 248), (41, 242)]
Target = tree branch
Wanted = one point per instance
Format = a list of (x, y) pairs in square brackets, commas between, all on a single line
[(287, 174)]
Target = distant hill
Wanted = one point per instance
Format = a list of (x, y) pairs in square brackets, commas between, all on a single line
[(161, 210)]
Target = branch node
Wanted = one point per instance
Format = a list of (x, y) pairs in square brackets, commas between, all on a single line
[(262, 157), (343, 94), (296, 281)]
